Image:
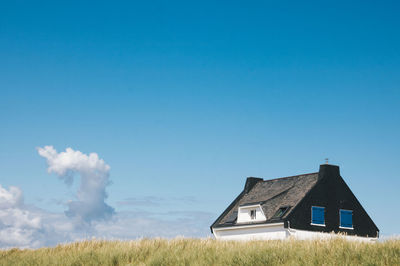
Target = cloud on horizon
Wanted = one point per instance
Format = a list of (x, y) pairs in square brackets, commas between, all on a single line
[(26, 226), (152, 201), (94, 178), (18, 226)]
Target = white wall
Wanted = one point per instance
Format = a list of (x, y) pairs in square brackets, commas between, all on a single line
[(277, 232), (252, 232), (309, 235)]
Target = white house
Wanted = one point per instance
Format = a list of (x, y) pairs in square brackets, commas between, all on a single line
[(315, 205)]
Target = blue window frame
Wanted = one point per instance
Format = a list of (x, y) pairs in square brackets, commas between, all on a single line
[(346, 218), (318, 215)]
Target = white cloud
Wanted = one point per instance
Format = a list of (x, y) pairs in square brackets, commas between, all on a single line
[(94, 178), (137, 224), (27, 226), (30, 227), (10, 198), (18, 226)]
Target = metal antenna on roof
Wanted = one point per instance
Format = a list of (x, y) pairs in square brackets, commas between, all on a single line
[(326, 160)]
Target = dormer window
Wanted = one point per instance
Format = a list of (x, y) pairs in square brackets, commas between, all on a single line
[(280, 212), (253, 214)]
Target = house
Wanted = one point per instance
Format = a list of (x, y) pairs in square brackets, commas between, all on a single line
[(303, 206)]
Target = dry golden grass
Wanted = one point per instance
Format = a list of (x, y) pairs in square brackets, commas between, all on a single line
[(209, 252)]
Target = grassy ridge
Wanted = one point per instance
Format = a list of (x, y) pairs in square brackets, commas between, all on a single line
[(208, 252)]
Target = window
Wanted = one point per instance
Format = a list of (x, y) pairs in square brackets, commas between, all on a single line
[(253, 214), (318, 215), (346, 219), (279, 213)]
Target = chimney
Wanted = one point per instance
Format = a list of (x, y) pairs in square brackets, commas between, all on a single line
[(326, 170), (250, 182)]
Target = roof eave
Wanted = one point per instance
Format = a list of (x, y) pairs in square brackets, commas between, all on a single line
[(270, 221)]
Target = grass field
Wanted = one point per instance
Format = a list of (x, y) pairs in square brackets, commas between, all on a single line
[(208, 252)]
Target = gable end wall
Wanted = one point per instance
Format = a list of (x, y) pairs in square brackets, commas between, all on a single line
[(332, 193)]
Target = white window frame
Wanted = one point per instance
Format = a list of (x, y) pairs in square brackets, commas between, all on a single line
[(340, 219), (323, 225)]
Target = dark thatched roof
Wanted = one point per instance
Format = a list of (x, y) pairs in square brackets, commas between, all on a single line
[(271, 195)]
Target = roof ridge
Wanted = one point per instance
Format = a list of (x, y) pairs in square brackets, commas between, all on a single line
[(289, 176)]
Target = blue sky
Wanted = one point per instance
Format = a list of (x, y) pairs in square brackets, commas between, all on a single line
[(185, 100)]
